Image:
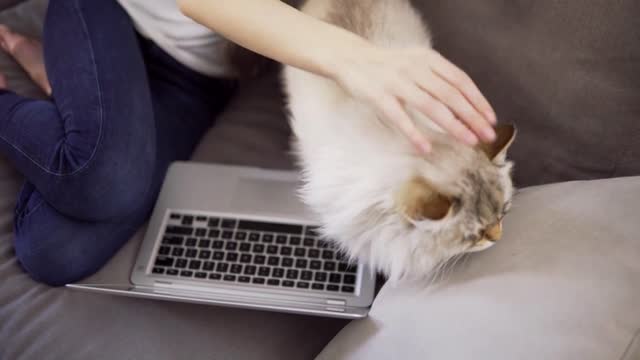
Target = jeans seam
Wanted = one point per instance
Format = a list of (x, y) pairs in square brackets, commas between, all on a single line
[(100, 116)]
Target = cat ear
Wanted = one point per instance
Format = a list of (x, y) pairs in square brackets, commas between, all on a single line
[(418, 201), (497, 150)]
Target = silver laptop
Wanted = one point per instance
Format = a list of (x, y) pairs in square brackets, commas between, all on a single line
[(240, 237)]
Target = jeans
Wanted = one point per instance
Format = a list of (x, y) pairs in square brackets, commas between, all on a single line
[(95, 155)]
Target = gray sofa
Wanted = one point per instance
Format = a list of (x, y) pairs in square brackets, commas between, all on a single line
[(564, 283)]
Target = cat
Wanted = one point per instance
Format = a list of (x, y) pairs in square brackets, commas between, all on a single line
[(381, 203)]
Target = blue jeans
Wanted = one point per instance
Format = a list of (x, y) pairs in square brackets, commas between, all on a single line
[(95, 155)]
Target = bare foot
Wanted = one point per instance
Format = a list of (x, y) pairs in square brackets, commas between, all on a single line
[(28, 53)]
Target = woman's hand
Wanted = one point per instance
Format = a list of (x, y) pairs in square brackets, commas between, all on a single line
[(392, 79)]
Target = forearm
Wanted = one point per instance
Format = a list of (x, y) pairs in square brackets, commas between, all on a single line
[(278, 31)]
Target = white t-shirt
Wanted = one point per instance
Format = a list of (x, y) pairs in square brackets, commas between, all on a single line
[(192, 44)]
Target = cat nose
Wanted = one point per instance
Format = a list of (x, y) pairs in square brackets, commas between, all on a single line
[(494, 232)]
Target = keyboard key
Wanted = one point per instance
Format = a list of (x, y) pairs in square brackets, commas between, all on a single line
[(352, 269), (201, 275), (272, 249), (214, 233), (321, 276), (179, 230), (314, 253), (241, 235), (245, 258), (267, 238), (191, 253), (164, 250), (204, 243), (236, 269), (232, 256), (181, 263), (201, 232), (292, 274), (310, 242), (269, 227), (177, 251), (218, 255), (273, 261), (244, 279), (258, 248), (254, 237), (301, 264), (201, 218), (204, 254), (218, 244), (215, 276), (302, 285), (187, 220), (286, 251), (335, 278), (222, 267), (295, 240), (259, 259), (281, 239), (172, 272), (259, 281), (231, 245), (300, 252), (317, 286), (278, 272), (191, 242), (348, 289), (306, 275), (158, 270), (311, 231), (175, 240), (175, 216), (329, 266), (195, 264), (333, 287), (245, 247), (228, 224), (273, 282), (287, 262), (214, 222), (186, 273), (208, 266), (164, 261), (229, 278), (288, 283), (250, 270), (227, 235), (327, 255), (264, 271), (315, 265), (349, 279)]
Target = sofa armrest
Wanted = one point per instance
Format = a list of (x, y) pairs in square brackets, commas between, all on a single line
[(564, 283)]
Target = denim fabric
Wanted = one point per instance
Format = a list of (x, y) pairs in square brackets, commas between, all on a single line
[(95, 155)]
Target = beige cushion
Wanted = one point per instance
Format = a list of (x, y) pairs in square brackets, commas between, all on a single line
[(563, 283)]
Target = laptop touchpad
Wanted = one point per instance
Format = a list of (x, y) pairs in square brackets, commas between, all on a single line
[(262, 196)]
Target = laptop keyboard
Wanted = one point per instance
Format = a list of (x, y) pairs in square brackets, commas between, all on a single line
[(275, 255)]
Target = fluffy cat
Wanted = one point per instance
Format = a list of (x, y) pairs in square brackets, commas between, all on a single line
[(402, 213)]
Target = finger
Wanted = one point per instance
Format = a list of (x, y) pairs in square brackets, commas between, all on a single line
[(463, 82), (458, 103), (437, 112), (396, 114)]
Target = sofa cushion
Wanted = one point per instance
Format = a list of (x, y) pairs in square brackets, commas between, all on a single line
[(563, 283), (566, 72)]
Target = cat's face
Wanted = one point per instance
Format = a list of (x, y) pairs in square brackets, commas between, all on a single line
[(466, 214)]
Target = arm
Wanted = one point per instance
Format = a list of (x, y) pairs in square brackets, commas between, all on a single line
[(381, 77)]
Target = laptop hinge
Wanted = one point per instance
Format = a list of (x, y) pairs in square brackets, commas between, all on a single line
[(336, 302)]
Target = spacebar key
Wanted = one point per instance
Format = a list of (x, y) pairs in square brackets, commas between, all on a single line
[(179, 230)]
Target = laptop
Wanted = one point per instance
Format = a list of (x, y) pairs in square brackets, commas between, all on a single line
[(241, 237)]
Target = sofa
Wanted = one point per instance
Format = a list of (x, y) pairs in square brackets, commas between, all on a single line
[(563, 283)]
